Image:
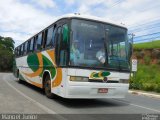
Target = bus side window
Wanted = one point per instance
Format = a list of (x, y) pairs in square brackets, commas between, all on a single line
[(28, 46), (65, 33), (58, 40), (45, 38), (39, 42), (32, 45), (17, 51), (49, 37), (53, 36), (25, 48), (35, 42), (21, 49), (64, 45)]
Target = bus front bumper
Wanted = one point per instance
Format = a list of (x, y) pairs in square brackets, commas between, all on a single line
[(91, 90)]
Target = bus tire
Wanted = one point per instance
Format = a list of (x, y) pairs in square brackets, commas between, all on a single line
[(47, 87)]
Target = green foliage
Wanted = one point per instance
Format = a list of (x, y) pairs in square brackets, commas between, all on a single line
[(156, 53), (147, 45), (158, 62), (6, 53), (147, 60), (157, 87), (148, 86), (139, 54), (147, 78), (6, 43)]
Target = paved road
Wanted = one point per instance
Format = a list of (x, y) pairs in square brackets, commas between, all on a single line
[(25, 98)]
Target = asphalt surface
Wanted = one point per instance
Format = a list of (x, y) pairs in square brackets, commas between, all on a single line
[(27, 99)]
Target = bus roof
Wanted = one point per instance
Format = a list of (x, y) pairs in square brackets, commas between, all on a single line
[(89, 17), (78, 15)]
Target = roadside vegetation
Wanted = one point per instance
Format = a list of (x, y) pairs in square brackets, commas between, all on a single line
[(148, 75), (147, 45), (6, 54), (147, 78)]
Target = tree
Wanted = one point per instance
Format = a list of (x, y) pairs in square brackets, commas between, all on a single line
[(7, 43), (6, 53)]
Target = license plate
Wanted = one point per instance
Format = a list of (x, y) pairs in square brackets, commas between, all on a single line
[(103, 90)]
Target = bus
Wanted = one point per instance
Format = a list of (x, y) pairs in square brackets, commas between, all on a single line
[(77, 57)]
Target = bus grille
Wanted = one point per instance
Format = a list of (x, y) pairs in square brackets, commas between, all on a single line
[(97, 80)]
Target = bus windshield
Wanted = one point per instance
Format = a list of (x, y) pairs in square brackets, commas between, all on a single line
[(98, 45)]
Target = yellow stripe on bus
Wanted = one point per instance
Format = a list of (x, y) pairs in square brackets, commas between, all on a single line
[(58, 78), (51, 55)]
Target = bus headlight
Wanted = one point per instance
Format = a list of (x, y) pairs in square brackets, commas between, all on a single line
[(78, 79)]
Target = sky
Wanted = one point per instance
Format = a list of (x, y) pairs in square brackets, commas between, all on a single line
[(21, 19)]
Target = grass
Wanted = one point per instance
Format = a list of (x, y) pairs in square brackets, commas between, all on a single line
[(147, 45), (146, 78), (148, 75)]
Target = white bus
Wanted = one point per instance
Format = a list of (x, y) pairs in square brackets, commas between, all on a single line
[(77, 57)]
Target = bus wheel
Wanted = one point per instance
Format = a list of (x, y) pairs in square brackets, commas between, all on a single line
[(47, 87)]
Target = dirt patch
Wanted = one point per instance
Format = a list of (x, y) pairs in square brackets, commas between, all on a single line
[(152, 55)]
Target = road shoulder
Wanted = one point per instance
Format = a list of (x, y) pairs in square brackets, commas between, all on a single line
[(145, 93)]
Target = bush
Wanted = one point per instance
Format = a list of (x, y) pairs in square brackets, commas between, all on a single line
[(134, 84), (148, 86), (6, 53), (158, 62), (147, 78), (157, 87), (136, 80), (156, 53), (139, 54), (6, 61), (147, 60)]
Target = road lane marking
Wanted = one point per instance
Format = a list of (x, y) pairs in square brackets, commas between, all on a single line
[(52, 112), (30, 99), (138, 106), (46, 109)]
